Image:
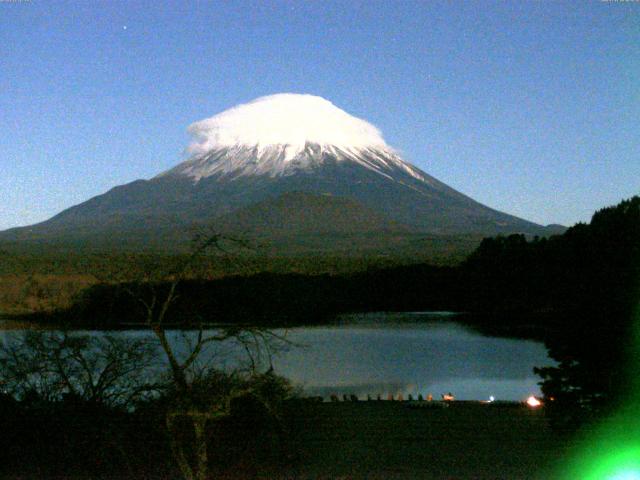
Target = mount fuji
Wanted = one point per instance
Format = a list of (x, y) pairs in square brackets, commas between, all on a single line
[(285, 166)]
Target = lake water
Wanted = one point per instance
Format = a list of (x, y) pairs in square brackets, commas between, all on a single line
[(383, 353)]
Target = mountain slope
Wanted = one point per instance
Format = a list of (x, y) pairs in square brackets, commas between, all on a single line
[(298, 213), (257, 155)]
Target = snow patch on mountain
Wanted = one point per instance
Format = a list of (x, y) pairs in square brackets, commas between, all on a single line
[(281, 134), (275, 161)]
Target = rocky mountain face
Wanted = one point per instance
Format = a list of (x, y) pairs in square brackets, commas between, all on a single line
[(284, 165)]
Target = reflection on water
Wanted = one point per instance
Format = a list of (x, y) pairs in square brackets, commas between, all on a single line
[(382, 354), (411, 356)]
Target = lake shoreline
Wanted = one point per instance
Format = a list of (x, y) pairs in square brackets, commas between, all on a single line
[(377, 354), (495, 324)]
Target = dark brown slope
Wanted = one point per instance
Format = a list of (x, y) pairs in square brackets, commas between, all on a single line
[(158, 213)]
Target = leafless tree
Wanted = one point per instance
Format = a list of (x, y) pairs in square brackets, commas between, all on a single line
[(119, 370), (200, 392), (111, 370)]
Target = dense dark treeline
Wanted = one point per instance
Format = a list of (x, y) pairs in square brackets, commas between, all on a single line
[(592, 264), (50, 258), (589, 276), (42, 280), (269, 298)]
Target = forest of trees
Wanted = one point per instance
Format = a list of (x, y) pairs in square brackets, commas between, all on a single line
[(577, 291), (590, 278)]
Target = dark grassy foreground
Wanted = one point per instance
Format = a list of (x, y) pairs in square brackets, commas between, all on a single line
[(383, 439), (344, 440)]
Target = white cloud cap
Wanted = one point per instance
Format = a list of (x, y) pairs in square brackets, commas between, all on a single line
[(284, 119)]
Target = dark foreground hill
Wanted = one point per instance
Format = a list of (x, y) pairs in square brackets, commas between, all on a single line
[(363, 440)]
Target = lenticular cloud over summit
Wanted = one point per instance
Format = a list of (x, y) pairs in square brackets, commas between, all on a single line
[(284, 119), (285, 134), (290, 168)]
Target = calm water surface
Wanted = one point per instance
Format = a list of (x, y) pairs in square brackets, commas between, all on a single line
[(385, 353)]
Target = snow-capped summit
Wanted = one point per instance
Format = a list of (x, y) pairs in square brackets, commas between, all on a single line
[(292, 169), (280, 134), (284, 119)]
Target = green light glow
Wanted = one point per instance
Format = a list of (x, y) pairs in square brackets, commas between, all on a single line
[(612, 451), (626, 475), (619, 466)]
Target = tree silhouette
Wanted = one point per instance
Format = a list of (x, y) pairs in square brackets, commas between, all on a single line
[(200, 394)]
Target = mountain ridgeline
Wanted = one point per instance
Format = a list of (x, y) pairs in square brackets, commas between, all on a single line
[(283, 178)]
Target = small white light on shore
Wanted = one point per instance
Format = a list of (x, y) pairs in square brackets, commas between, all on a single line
[(491, 398), (533, 402)]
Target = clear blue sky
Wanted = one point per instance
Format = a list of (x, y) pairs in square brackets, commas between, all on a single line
[(532, 108)]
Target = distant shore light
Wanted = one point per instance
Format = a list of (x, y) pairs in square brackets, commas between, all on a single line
[(533, 402)]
